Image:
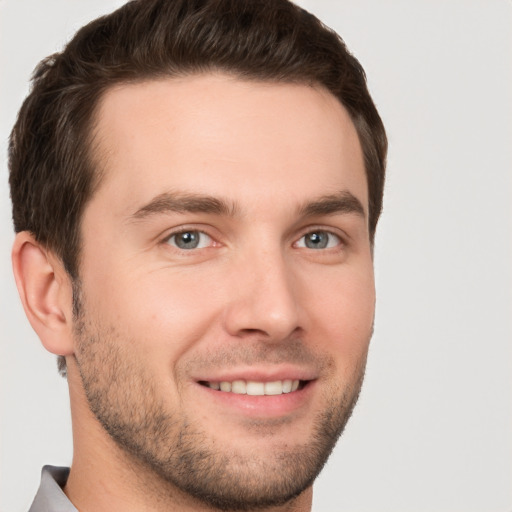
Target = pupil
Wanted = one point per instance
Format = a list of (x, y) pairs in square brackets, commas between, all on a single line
[(316, 240), (188, 240)]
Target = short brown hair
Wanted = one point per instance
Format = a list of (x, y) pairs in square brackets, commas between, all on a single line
[(52, 172)]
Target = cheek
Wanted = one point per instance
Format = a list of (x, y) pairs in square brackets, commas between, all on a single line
[(342, 313), (161, 310)]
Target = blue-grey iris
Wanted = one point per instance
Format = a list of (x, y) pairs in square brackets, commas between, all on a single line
[(187, 239), (316, 240)]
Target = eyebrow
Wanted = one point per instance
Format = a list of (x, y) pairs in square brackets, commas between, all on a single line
[(342, 202), (182, 203)]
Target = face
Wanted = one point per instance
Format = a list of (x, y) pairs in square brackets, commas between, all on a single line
[(226, 286)]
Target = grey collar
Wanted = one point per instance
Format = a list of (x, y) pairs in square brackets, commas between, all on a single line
[(50, 497)]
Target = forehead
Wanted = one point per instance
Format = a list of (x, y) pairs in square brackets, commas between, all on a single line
[(222, 136)]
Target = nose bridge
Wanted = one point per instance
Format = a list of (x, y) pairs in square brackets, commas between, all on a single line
[(264, 298)]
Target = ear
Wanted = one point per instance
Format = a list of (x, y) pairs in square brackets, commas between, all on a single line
[(46, 293)]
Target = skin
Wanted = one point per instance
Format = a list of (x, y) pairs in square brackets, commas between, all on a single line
[(277, 162)]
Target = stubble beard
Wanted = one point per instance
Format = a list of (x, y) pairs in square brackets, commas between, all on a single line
[(122, 396)]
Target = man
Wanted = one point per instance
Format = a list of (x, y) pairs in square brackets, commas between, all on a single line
[(196, 187)]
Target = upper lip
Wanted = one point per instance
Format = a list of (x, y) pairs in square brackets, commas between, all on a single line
[(258, 374)]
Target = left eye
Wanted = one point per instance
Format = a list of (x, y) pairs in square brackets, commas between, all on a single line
[(188, 240), (319, 240)]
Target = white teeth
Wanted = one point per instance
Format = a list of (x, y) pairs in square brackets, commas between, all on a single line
[(225, 386), (274, 388), (241, 387), (287, 386), (255, 388)]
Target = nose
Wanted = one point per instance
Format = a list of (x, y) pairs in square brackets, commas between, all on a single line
[(263, 300)]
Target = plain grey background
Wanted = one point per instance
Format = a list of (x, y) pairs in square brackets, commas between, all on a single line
[(433, 428)]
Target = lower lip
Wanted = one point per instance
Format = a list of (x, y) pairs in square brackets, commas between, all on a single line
[(267, 406)]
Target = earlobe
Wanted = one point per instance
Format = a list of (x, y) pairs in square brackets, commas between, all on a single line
[(46, 293)]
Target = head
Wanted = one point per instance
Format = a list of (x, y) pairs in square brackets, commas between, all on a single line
[(64, 164), (53, 172)]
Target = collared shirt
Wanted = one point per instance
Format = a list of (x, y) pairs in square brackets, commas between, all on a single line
[(50, 497)]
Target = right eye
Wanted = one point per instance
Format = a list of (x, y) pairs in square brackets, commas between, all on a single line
[(319, 239), (189, 239)]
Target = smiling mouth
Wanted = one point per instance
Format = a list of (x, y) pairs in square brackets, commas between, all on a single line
[(254, 388)]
